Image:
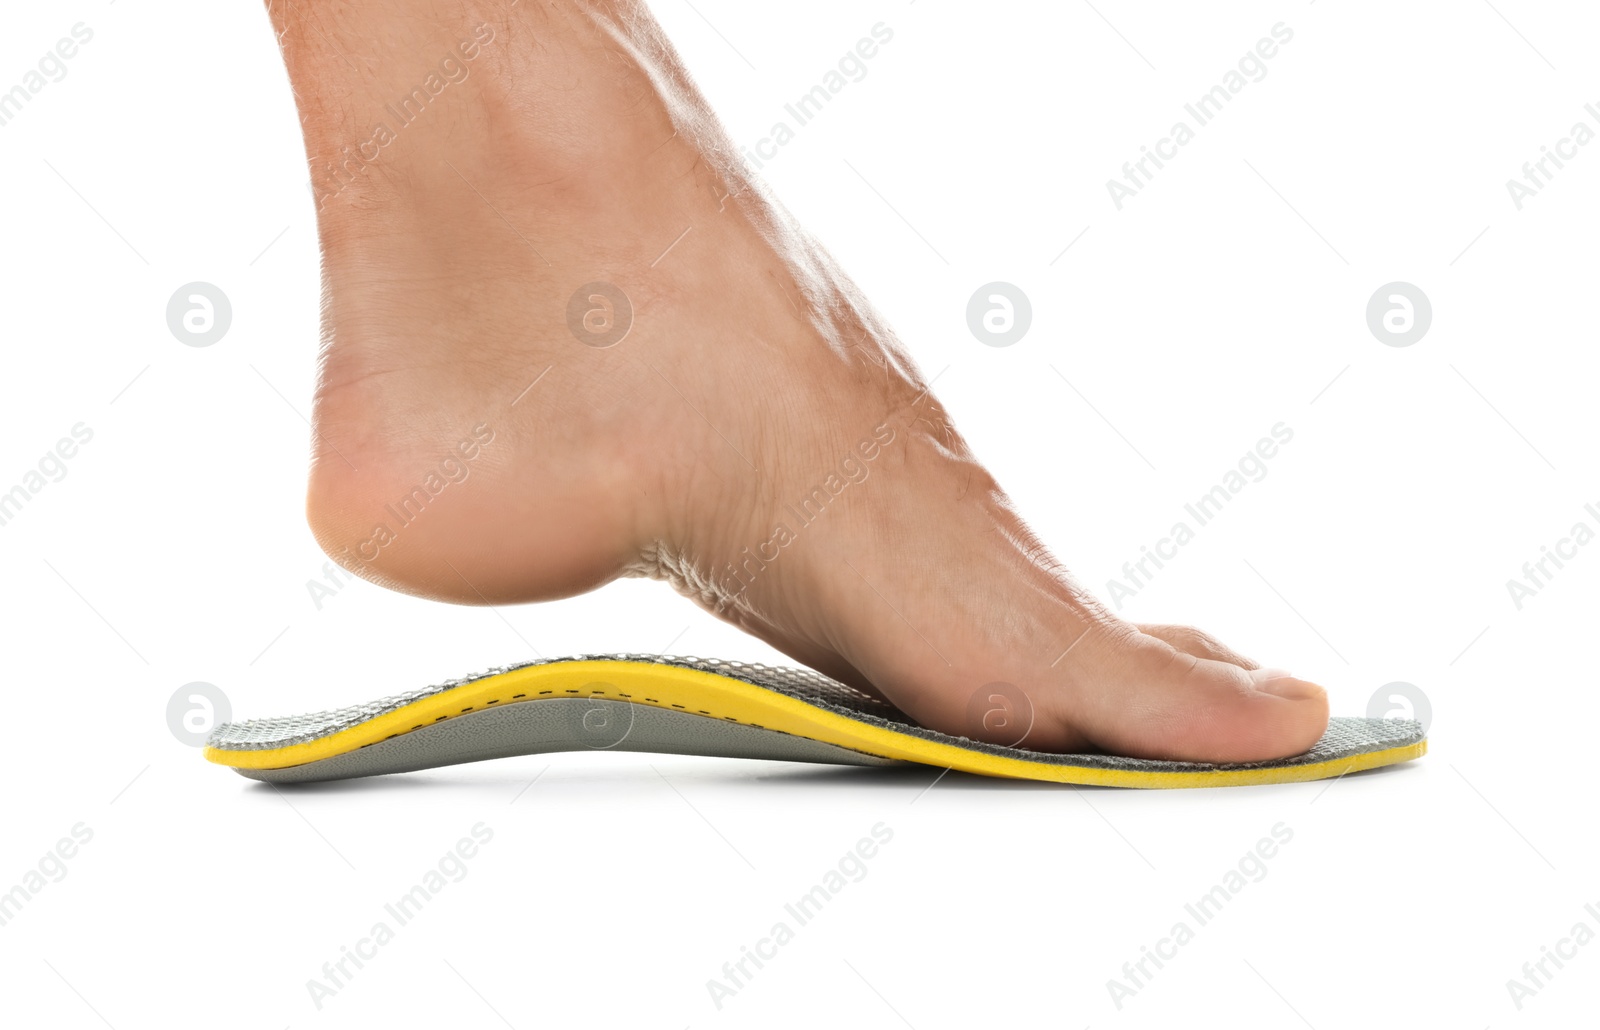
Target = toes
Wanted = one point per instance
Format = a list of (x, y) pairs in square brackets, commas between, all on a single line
[(1166, 703), (1199, 644)]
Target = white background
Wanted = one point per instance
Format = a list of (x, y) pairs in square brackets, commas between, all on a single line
[(1226, 297)]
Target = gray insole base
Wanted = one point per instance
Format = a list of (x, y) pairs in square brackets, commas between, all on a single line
[(565, 724)]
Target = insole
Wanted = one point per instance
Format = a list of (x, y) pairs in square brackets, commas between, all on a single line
[(693, 706)]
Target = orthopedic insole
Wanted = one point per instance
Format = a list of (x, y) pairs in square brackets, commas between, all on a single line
[(692, 706)]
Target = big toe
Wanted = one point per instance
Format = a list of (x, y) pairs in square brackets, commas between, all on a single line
[(1174, 705)]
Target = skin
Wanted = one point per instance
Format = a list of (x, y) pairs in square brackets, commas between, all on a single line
[(572, 148)]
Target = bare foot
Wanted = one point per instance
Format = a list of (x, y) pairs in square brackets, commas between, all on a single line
[(758, 438)]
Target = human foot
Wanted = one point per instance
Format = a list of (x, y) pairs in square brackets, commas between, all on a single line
[(758, 438)]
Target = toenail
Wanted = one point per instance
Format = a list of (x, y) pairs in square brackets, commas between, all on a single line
[(1280, 684)]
